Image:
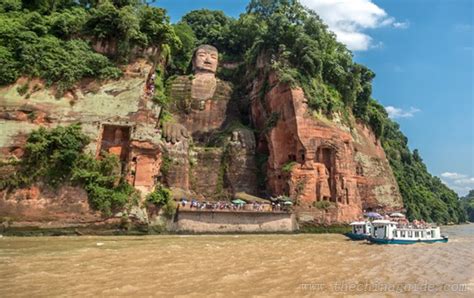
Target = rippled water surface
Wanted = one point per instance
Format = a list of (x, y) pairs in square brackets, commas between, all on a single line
[(235, 265)]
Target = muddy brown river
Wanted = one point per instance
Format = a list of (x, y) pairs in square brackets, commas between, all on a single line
[(235, 265)]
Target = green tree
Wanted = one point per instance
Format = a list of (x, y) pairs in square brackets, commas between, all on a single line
[(8, 67), (67, 23), (47, 6), (467, 203), (181, 57), (210, 27), (10, 5), (156, 27)]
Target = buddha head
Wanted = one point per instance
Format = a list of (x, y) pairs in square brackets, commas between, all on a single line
[(205, 59)]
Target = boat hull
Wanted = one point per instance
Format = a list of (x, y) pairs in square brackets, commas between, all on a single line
[(402, 241), (356, 237)]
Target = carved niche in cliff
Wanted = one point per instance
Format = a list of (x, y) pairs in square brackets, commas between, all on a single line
[(139, 160), (202, 110), (115, 139)]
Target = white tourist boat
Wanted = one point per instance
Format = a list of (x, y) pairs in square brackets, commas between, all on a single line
[(389, 232), (360, 230)]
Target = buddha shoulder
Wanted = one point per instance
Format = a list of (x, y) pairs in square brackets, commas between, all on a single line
[(181, 87)]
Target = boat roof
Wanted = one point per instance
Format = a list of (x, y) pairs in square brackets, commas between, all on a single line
[(383, 221), (358, 223)]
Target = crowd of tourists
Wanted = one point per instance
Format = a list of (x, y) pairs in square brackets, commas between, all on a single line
[(230, 206), (400, 219), (415, 224)]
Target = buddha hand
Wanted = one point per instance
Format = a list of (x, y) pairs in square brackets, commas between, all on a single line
[(174, 132)]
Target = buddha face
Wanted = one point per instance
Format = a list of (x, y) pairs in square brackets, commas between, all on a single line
[(205, 59)]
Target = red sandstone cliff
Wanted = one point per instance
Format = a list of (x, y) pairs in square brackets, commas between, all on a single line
[(314, 159), (117, 116), (311, 158)]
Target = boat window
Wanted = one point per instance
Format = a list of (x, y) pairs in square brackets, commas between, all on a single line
[(394, 233), (417, 234), (410, 234), (403, 234)]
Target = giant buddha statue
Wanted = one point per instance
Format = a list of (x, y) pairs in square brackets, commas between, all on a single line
[(199, 102), (202, 109)]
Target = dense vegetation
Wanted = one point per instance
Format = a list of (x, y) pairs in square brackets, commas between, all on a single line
[(56, 156), (53, 40), (467, 203), (161, 197)]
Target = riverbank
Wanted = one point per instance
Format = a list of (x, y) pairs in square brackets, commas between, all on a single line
[(143, 230)]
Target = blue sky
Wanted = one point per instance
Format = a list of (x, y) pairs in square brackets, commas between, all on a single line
[(422, 54)]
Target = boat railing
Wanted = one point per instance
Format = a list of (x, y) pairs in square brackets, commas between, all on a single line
[(417, 226)]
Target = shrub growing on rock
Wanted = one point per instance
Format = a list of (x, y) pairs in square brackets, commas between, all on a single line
[(56, 157)]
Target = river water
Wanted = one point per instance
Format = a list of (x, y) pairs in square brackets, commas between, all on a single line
[(235, 265)]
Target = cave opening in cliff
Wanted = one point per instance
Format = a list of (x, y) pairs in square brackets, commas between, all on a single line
[(327, 156), (115, 139)]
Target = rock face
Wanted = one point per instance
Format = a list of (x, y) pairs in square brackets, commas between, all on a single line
[(66, 204), (117, 116), (332, 169), (206, 155), (202, 163), (241, 168), (315, 160), (200, 114)]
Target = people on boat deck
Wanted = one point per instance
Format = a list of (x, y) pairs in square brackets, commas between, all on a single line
[(403, 222)]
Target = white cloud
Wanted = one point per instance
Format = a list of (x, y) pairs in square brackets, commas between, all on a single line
[(452, 175), (465, 181), (401, 25), (460, 183), (395, 113), (349, 18)]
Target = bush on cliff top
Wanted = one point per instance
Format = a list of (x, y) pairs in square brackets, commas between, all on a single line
[(29, 49), (56, 156), (52, 39)]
